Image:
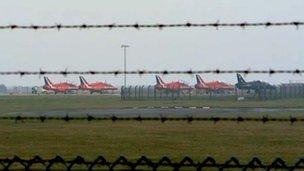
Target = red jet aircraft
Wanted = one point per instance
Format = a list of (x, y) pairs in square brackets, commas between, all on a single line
[(95, 87), (211, 86), (172, 86), (59, 87)]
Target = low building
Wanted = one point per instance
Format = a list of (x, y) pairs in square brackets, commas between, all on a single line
[(20, 90)]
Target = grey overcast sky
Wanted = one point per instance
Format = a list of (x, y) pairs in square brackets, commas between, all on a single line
[(172, 48)]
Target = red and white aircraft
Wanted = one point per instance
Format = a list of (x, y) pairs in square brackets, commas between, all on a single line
[(211, 86), (58, 87), (172, 86), (95, 87)]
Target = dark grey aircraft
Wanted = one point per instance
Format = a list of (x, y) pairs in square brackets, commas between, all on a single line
[(252, 85)]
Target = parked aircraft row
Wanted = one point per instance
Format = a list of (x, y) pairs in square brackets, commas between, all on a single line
[(200, 84), (84, 85), (213, 85), (160, 85)]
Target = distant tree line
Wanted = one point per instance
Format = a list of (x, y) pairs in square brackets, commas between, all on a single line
[(3, 88)]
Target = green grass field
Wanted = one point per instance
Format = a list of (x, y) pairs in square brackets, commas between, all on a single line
[(68, 102), (132, 139), (175, 139)]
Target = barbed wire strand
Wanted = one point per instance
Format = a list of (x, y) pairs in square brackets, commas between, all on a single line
[(160, 26), (163, 119), (144, 72), (186, 162)]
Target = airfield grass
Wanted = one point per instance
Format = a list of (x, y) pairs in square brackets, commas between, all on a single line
[(132, 139), (73, 102), (154, 139)]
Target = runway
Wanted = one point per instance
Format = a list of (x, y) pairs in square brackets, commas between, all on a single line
[(172, 112)]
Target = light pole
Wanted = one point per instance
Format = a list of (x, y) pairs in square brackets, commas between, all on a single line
[(125, 63)]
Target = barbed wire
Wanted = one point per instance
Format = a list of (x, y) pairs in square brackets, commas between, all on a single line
[(163, 119), (160, 26), (144, 72), (143, 161)]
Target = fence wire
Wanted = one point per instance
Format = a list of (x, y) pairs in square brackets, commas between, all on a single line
[(162, 119), (164, 162), (144, 72), (160, 26)]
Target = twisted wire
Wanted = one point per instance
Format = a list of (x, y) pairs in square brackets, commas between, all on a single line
[(189, 119), (144, 72), (160, 26), (186, 162)]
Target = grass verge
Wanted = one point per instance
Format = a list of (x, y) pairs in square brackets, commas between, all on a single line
[(154, 139)]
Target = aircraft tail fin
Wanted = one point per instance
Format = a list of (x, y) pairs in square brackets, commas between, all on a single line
[(83, 81), (240, 78), (159, 80), (47, 81), (199, 79)]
